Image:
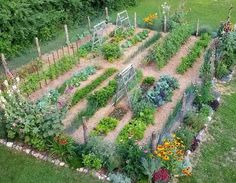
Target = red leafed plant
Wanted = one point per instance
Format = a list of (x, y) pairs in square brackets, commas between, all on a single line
[(162, 175)]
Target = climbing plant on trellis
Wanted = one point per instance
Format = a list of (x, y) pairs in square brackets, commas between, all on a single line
[(98, 33), (122, 20), (124, 78)]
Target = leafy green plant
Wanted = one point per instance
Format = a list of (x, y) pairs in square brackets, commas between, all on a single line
[(149, 167), (186, 135), (194, 53), (149, 80), (139, 37), (111, 51), (105, 125), (164, 50), (118, 178), (33, 123), (82, 93), (163, 90), (92, 161), (195, 121), (32, 81), (75, 80), (97, 100)]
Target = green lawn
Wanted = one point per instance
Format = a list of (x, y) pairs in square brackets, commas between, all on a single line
[(16, 167), (210, 12), (217, 163)]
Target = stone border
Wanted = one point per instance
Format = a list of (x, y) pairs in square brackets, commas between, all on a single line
[(45, 157)]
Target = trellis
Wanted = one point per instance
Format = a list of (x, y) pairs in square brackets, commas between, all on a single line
[(122, 20), (124, 78), (98, 33)]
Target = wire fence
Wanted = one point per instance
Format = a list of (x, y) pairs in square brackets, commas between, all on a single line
[(176, 117)]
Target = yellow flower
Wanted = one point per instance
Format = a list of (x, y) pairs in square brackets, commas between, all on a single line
[(166, 158)]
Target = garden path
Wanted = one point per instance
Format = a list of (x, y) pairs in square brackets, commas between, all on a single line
[(191, 76), (92, 122)]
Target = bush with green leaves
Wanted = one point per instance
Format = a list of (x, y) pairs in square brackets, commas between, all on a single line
[(195, 121), (118, 178), (164, 50), (111, 51), (149, 80), (162, 91), (106, 125), (195, 52), (33, 123), (92, 161), (186, 135), (75, 80), (82, 93), (25, 20), (105, 151), (84, 49), (121, 34)]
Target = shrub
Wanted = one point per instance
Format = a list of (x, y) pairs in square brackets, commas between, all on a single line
[(195, 121), (149, 80), (92, 161), (111, 51), (105, 126), (221, 70), (82, 93), (131, 155), (33, 123), (186, 135), (162, 91), (118, 178)]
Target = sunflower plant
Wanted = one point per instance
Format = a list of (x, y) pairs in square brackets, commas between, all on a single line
[(150, 19)]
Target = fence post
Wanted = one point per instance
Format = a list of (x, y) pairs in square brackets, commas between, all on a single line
[(183, 110), (38, 47), (197, 32), (85, 130), (6, 69), (165, 22), (89, 23), (154, 141), (135, 19), (107, 14), (67, 34)]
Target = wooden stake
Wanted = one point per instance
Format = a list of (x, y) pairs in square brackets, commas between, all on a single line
[(85, 130), (183, 110), (107, 15), (6, 69), (165, 22), (73, 51), (53, 57), (89, 23), (197, 32), (63, 51), (154, 141), (38, 48), (68, 49), (67, 34), (77, 45), (135, 20), (58, 56)]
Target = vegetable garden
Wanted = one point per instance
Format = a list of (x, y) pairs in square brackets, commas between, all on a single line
[(65, 105)]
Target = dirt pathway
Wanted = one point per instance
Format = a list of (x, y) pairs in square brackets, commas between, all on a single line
[(73, 111), (111, 137)]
